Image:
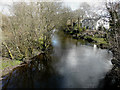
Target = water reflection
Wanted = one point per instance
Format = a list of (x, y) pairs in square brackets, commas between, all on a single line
[(37, 74), (71, 65), (82, 66)]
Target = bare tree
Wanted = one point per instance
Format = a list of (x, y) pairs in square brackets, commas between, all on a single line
[(28, 30), (114, 32)]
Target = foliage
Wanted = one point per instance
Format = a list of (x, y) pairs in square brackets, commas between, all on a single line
[(99, 40), (113, 9), (9, 63), (29, 28), (84, 28)]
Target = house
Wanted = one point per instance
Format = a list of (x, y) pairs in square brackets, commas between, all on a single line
[(95, 23), (89, 23), (102, 22)]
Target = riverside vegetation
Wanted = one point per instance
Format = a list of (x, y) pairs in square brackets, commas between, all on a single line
[(92, 36), (28, 30)]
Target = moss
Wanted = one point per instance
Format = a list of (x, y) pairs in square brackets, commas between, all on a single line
[(80, 29), (75, 27), (99, 40), (20, 56), (84, 28), (71, 31), (88, 37), (9, 63), (41, 40)]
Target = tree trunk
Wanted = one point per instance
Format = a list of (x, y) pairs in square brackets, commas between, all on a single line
[(71, 23), (10, 54), (78, 23)]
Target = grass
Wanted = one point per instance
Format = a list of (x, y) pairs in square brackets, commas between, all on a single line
[(9, 63), (99, 40)]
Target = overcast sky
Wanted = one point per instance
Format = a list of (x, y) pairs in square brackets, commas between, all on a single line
[(74, 4)]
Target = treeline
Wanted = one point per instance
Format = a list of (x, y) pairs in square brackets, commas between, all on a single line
[(113, 77), (28, 29), (113, 9)]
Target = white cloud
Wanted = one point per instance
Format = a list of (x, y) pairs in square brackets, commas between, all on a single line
[(83, 0), (74, 4)]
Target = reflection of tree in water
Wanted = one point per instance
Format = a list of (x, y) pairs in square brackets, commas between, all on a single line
[(38, 73)]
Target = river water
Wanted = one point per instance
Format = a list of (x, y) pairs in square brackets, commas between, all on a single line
[(73, 64)]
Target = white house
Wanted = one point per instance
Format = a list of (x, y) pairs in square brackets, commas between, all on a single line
[(89, 23), (94, 23), (104, 22)]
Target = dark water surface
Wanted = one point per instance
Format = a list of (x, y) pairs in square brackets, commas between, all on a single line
[(73, 64)]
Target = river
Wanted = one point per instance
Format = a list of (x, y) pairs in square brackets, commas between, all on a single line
[(73, 64)]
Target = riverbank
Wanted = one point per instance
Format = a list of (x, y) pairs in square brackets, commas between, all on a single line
[(7, 65), (41, 56), (77, 62), (112, 78), (92, 36)]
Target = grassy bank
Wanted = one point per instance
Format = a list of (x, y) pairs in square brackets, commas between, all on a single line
[(96, 37), (7, 65), (98, 40)]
